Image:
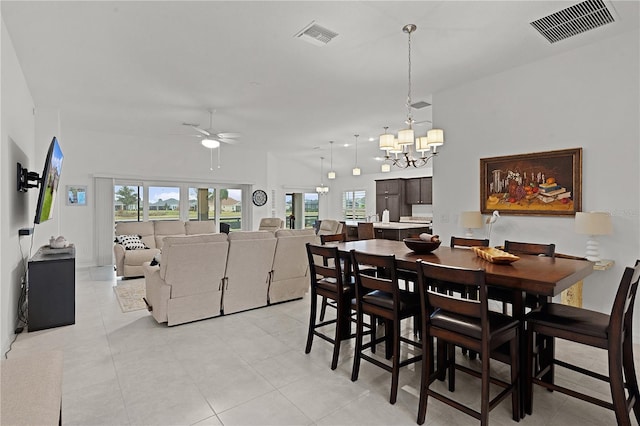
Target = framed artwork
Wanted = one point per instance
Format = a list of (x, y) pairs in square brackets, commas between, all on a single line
[(76, 195), (540, 183)]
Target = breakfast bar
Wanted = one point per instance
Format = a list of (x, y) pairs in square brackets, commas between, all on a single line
[(390, 230)]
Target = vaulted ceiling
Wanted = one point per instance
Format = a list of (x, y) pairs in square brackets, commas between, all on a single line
[(144, 67)]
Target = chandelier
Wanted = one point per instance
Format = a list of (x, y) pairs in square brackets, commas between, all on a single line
[(331, 174), (322, 189), (408, 150)]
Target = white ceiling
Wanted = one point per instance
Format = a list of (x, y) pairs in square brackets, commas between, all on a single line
[(142, 68)]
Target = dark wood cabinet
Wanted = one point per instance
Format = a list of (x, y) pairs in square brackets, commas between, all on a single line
[(418, 190), (51, 290), (390, 195), (399, 234)]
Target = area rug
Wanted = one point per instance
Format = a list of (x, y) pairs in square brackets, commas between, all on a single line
[(130, 294)]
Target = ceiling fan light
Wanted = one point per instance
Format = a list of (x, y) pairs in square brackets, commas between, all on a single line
[(405, 136), (435, 137), (210, 143)]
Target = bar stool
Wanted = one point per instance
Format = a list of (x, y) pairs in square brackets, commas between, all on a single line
[(612, 333)]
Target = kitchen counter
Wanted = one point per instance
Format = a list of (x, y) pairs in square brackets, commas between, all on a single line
[(389, 231)]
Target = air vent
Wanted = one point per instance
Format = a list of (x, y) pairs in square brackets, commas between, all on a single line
[(316, 34), (420, 104), (573, 20)]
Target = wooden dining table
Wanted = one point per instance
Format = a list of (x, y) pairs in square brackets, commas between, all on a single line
[(538, 275)]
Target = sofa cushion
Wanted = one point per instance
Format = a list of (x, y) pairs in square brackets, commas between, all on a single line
[(164, 228), (251, 235), (200, 227), (294, 233), (131, 242), (144, 229), (138, 257)]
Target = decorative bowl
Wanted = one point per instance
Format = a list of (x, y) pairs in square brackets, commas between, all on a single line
[(495, 255), (421, 246)]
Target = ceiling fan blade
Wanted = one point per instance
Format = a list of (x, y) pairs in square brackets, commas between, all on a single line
[(228, 135), (204, 132), (227, 141)]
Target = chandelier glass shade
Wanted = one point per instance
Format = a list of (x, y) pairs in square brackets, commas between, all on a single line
[(407, 149)]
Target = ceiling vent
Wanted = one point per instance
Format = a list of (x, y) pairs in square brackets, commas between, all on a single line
[(316, 34), (573, 20), (420, 104)]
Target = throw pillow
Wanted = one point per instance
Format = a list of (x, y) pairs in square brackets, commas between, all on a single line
[(131, 242)]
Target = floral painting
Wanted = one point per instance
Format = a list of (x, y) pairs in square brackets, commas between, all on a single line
[(543, 183)]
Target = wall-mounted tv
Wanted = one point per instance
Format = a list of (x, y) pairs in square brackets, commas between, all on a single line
[(49, 180)]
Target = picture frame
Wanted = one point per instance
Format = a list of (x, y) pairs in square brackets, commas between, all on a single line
[(541, 183), (76, 195)]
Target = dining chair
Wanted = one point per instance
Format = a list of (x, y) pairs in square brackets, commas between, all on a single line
[(612, 332), (225, 227), (380, 297), (366, 231), (327, 281), (456, 321), (329, 238)]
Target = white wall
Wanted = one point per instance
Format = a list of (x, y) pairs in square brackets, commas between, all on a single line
[(588, 98), (16, 145)]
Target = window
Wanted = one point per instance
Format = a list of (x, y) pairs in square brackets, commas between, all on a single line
[(231, 207), (310, 209), (164, 203), (202, 203), (127, 203), (354, 205)]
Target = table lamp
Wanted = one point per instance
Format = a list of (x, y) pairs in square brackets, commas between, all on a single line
[(470, 221), (592, 224)]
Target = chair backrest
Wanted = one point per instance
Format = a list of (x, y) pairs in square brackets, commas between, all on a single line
[(329, 226), (621, 319), (431, 300), (514, 247), (385, 280), (330, 266), (270, 224), (366, 231), (468, 242), (225, 227), (340, 238)]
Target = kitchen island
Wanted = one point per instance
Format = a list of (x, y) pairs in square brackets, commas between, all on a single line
[(389, 231)]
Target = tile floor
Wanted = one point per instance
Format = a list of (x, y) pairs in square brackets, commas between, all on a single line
[(250, 369)]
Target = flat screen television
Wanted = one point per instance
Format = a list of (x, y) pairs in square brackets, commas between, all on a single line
[(49, 180)]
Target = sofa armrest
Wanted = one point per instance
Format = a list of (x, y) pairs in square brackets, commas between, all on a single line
[(157, 292), (118, 251)]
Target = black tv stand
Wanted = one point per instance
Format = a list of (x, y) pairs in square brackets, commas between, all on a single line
[(51, 289)]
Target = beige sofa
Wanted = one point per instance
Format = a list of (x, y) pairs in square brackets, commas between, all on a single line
[(270, 224), (129, 262), (252, 270)]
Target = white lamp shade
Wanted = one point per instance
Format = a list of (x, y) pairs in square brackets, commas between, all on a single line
[(397, 148), (422, 144), (385, 168), (405, 137), (472, 220), (331, 175), (593, 223), (386, 141), (435, 137), (356, 171), (210, 143)]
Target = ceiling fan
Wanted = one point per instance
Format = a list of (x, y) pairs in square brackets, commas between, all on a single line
[(211, 138)]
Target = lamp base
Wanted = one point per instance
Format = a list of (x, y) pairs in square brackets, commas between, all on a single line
[(592, 253)]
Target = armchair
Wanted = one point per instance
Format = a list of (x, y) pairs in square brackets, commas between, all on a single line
[(270, 224)]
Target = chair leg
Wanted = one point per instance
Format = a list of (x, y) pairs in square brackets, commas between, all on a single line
[(427, 363), (484, 398), (530, 371), (451, 365), (616, 382), (336, 339), (630, 374), (442, 359), (312, 321), (323, 308), (515, 379), (374, 332), (356, 357), (395, 366)]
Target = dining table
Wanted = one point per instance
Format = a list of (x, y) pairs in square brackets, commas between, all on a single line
[(537, 275)]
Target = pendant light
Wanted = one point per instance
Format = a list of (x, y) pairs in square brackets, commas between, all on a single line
[(331, 174), (322, 189), (356, 169)]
